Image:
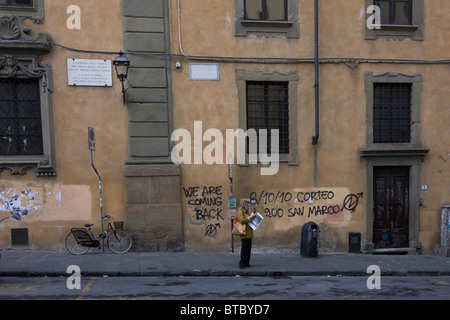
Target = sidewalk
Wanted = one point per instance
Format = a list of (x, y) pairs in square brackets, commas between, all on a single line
[(98, 263)]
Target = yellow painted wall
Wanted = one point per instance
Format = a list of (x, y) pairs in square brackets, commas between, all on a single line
[(207, 29), (72, 197)]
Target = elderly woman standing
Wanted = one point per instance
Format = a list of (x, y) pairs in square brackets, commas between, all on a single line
[(244, 217)]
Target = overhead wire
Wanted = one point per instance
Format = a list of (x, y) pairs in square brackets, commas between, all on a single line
[(350, 62), (235, 59)]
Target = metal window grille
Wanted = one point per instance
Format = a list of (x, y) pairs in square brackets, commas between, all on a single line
[(20, 117), (395, 11), (268, 108), (392, 113), (19, 237), (271, 10), (16, 3)]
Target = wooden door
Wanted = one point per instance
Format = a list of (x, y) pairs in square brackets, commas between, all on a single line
[(391, 207)]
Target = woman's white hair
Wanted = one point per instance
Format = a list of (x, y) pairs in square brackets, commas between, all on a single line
[(244, 204)]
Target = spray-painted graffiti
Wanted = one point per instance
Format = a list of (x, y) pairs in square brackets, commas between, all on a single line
[(205, 207), (304, 203), (19, 204), (211, 230)]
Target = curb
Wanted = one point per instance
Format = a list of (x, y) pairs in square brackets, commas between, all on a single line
[(225, 273)]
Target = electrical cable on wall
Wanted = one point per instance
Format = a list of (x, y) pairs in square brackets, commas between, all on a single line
[(231, 59)]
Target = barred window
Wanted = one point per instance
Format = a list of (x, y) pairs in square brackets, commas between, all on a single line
[(20, 117), (392, 112), (16, 3), (268, 108)]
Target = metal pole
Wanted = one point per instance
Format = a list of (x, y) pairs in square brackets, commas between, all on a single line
[(101, 198), (230, 176), (316, 71)]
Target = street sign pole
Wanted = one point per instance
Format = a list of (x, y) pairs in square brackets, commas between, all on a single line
[(231, 201), (92, 147)]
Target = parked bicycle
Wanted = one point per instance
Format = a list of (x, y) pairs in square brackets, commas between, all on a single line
[(80, 240)]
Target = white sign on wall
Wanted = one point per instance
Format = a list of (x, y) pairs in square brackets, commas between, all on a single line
[(203, 71), (89, 72)]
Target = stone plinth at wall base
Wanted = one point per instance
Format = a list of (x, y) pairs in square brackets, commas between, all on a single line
[(154, 215), (155, 227)]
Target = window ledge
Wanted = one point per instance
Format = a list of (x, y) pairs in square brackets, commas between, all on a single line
[(35, 12), (393, 152), (265, 23), (19, 165), (283, 158), (399, 27), (395, 31)]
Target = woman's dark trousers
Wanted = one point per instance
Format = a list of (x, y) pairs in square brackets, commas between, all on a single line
[(246, 250)]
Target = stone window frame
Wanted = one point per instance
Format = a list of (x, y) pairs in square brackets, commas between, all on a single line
[(36, 12), (398, 32), (394, 154), (21, 58), (27, 66), (292, 78), (416, 89), (290, 28)]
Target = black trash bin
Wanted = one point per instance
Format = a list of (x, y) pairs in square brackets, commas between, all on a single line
[(309, 240)]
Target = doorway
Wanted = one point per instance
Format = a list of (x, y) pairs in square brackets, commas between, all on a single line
[(391, 192)]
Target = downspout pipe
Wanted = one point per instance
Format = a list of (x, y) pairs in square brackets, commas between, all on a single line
[(315, 139)]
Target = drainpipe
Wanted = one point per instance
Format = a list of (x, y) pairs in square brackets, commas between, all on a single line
[(315, 139)]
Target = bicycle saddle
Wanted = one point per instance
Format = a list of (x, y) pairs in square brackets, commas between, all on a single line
[(88, 225)]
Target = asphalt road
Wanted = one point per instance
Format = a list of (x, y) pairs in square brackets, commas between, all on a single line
[(225, 288)]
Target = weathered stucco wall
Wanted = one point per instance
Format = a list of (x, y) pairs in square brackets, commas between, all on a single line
[(49, 206), (329, 185), (334, 168)]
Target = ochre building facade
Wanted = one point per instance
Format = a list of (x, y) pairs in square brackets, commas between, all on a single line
[(353, 96)]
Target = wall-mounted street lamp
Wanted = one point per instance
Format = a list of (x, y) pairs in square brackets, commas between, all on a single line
[(121, 63)]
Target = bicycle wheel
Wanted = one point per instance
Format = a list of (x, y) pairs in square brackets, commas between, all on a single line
[(73, 242), (119, 241)]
